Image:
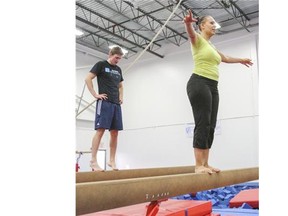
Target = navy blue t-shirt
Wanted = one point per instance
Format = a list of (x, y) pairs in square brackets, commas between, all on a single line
[(108, 79)]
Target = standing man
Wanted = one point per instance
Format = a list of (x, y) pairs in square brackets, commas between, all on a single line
[(108, 106)]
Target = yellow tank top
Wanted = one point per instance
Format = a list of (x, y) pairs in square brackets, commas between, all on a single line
[(206, 59)]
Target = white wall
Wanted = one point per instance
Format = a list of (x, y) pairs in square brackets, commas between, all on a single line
[(156, 110)]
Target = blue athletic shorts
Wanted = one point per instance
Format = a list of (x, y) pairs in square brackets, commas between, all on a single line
[(108, 116)]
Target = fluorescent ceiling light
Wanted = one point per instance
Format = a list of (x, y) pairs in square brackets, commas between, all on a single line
[(124, 50), (217, 25), (78, 32)]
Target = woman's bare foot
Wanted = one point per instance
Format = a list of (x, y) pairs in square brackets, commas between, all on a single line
[(95, 167), (203, 169), (113, 166), (216, 170)]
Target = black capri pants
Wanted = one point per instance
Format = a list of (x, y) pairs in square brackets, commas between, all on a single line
[(204, 99)]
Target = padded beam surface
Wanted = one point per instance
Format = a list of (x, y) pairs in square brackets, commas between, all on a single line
[(131, 173), (103, 195)]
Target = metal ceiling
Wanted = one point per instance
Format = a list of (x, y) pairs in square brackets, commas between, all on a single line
[(132, 24)]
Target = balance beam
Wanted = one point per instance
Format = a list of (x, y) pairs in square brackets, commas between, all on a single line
[(103, 195), (131, 173)]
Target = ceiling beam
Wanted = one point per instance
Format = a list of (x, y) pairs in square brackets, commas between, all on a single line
[(234, 12), (120, 37)]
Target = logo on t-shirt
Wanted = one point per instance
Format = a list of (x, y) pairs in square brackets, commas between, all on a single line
[(108, 70)]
